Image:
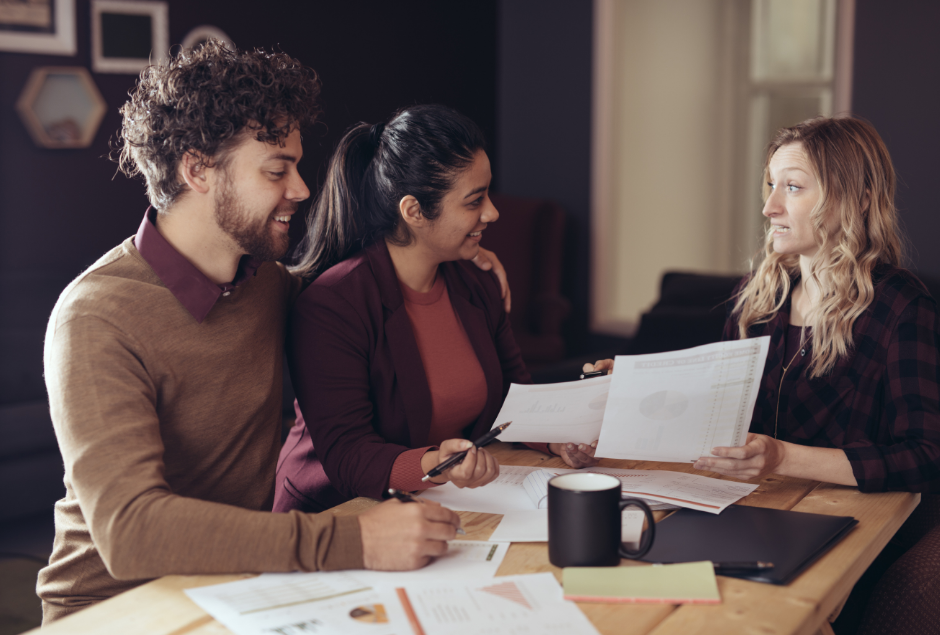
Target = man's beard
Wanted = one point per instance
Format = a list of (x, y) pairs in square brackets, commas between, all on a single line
[(251, 234)]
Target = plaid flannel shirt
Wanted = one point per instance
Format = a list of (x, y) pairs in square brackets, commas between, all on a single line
[(880, 404)]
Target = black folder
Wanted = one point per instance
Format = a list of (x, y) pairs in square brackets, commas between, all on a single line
[(791, 540)]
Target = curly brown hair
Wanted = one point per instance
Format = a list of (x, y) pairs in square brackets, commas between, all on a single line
[(205, 101)]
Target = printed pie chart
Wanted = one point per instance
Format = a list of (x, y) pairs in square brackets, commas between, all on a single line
[(599, 402), (664, 405), (370, 614)]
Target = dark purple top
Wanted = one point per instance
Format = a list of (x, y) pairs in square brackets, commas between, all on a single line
[(360, 381), (189, 285), (880, 404)]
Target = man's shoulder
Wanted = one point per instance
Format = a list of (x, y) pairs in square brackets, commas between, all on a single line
[(107, 287)]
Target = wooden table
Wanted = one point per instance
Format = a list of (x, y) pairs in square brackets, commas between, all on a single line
[(804, 606)]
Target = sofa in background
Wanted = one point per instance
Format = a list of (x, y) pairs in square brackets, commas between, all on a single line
[(31, 468), (528, 239)]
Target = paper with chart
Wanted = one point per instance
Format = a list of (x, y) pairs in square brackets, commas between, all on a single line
[(508, 605), (571, 411), (304, 604), (677, 406), (338, 602)]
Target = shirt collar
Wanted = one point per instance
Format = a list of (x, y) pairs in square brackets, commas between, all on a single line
[(190, 286)]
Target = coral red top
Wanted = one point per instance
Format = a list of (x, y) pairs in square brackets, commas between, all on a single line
[(454, 374)]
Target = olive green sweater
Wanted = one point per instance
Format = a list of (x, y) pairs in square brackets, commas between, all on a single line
[(170, 432)]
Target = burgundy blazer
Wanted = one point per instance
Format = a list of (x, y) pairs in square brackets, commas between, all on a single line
[(360, 382)]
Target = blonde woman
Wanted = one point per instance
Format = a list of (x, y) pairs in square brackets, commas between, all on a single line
[(851, 388)]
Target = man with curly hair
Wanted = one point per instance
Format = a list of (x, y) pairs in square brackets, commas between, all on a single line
[(163, 360)]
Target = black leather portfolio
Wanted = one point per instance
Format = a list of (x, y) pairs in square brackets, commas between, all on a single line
[(791, 540)]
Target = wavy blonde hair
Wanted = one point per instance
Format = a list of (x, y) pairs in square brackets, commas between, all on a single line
[(852, 165)]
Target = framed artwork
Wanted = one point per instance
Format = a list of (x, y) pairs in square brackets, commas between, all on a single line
[(128, 35), (61, 107), (38, 26), (202, 33)]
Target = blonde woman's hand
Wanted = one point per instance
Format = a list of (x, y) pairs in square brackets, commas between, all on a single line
[(759, 456)]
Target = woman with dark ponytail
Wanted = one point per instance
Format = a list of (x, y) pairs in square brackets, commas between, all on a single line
[(399, 349)]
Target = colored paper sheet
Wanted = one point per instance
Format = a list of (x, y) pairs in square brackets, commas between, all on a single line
[(687, 583)]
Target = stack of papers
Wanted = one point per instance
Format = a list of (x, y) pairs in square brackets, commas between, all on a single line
[(519, 488), (461, 596), (673, 406)]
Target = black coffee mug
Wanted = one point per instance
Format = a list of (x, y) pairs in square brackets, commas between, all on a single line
[(584, 521)]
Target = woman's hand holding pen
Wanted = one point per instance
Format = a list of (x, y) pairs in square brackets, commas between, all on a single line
[(601, 364), (477, 469)]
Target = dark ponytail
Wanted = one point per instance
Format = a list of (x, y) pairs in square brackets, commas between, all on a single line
[(420, 152)]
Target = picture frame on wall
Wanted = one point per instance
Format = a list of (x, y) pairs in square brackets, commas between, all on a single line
[(61, 107), (128, 35), (38, 26)]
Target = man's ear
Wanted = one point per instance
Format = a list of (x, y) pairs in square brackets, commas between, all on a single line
[(410, 211), (193, 171)]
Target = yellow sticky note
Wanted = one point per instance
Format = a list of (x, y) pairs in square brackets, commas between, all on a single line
[(686, 583)]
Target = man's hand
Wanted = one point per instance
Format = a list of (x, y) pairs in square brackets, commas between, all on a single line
[(761, 455), (601, 364), (477, 469), (577, 456), (400, 536), (486, 260)]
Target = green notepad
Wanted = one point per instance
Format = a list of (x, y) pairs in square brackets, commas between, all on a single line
[(687, 583)]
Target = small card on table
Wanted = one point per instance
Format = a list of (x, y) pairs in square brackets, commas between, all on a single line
[(686, 583)]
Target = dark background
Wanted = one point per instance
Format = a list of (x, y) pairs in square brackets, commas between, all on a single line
[(61, 209), (520, 68)]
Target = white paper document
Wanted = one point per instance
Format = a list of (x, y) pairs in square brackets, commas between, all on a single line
[(339, 601), (677, 406), (504, 494), (571, 411), (508, 605), (519, 488), (304, 604), (532, 526)]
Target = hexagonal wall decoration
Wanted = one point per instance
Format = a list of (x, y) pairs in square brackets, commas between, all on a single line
[(61, 107)]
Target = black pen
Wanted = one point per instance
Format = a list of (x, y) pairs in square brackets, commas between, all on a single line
[(454, 459), (593, 373), (742, 567), (407, 497)]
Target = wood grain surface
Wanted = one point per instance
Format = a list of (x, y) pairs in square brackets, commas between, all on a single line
[(803, 607)]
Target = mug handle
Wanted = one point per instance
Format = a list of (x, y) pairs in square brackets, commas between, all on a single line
[(646, 540)]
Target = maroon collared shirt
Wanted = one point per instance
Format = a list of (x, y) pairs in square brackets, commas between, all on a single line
[(190, 286)]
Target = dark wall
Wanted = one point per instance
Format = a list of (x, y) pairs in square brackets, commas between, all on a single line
[(896, 86), (61, 209), (544, 125)]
